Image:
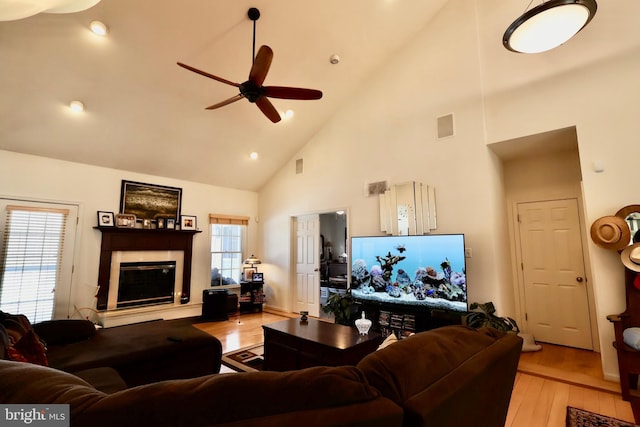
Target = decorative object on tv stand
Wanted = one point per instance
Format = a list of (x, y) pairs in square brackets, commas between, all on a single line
[(150, 201), (548, 25), (363, 324)]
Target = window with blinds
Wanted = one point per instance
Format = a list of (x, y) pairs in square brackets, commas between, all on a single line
[(227, 244), (31, 256)]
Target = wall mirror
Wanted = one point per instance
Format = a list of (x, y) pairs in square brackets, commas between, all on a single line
[(631, 214), (408, 209)]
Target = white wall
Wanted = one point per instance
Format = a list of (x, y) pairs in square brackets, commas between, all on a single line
[(95, 188), (456, 65), (389, 132)]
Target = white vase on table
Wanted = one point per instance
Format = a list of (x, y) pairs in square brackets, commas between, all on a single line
[(363, 324)]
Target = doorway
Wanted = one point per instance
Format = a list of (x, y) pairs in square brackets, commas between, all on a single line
[(333, 257), (553, 273), (538, 170), (320, 248)]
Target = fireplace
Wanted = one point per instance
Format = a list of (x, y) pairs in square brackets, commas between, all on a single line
[(146, 283), (142, 245), (143, 278)]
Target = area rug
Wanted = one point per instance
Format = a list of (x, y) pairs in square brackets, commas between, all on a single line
[(581, 418), (247, 359)]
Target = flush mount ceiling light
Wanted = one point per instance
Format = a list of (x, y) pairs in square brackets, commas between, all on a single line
[(19, 9), (548, 25)]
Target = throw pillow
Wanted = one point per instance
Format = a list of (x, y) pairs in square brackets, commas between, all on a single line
[(631, 337), (388, 341), (24, 344)]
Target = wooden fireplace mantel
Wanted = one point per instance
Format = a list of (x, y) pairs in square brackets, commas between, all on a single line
[(138, 239)]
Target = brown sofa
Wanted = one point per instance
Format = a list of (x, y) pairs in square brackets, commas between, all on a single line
[(133, 354), (452, 376)]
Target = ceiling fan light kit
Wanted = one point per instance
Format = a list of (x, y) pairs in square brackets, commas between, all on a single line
[(252, 89), (548, 25)]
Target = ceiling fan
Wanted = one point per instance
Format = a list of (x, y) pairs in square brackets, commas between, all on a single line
[(252, 89)]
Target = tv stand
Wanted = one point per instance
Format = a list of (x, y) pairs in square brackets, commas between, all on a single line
[(403, 319)]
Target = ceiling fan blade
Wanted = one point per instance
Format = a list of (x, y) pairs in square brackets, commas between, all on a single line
[(291, 93), (261, 65), (211, 76), (268, 109), (225, 102)]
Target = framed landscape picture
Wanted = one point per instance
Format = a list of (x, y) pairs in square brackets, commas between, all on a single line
[(149, 201)]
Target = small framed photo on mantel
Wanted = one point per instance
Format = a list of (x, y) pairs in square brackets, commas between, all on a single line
[(188, 222), (106, 219), (125, 220)]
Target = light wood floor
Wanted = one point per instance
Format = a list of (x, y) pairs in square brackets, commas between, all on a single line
[(547, 381)]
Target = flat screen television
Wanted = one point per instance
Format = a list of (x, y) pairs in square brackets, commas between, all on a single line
[(422, 271)]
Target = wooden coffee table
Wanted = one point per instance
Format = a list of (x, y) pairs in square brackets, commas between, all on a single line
[(295, 344)]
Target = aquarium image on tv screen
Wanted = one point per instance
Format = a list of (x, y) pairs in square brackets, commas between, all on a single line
[(425, 270)]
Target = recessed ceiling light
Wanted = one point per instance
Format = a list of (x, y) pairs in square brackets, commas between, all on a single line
[(253, 155), (76, 106), (288, 114), (98, 28)]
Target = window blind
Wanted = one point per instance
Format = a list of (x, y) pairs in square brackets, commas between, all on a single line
[(227, 241), (228, 219), (31, 257)]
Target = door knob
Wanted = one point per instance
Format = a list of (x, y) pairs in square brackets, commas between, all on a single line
[(579, 279)]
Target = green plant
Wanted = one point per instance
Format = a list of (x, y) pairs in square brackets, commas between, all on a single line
[(484, 316), (342, 306)]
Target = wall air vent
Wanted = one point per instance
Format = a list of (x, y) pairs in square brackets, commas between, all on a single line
[(298, 166), (445, 126)]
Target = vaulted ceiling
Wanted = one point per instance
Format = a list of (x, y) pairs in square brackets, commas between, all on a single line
[(145, 114)]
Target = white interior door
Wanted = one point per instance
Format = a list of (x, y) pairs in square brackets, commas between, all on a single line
[(556, 297), (307, 296)]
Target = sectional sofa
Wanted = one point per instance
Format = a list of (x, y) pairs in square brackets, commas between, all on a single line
[(451, 376)]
